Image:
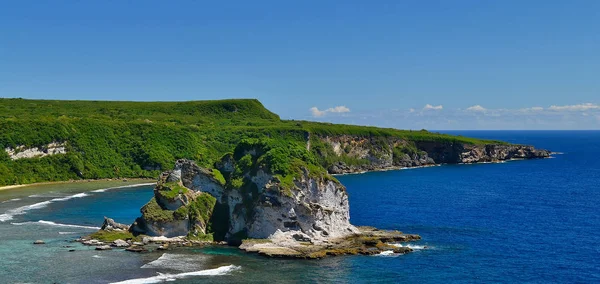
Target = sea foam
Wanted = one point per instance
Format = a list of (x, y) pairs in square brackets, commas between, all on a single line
[(50, 223), (223, 270), (21, 210), (412, 246), (8, 215), (124, 186), (181, 262)]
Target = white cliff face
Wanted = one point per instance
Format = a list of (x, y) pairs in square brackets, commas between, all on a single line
[(168, 229), (314, 210), (20, 152)]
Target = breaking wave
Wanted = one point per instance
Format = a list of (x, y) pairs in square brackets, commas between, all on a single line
[(412, 246), (124, 186), (11, 200), (223, 270), (50, 223), (179, 262), (386, 253), (78, 195), (23, 209)]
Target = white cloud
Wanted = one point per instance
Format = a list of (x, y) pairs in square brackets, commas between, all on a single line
[(430, 107), (338, 109), (579, 107), (532, 109), (476, 108), (319, 113), (316, 112), (411, 110)]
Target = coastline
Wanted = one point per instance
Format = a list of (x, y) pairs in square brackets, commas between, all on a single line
[(141, 180), (437, 165)]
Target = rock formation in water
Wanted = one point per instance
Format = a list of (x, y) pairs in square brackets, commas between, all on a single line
[(312, 209), (252, 194)]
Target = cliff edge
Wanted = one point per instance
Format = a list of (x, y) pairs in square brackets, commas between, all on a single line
[(271, 199)]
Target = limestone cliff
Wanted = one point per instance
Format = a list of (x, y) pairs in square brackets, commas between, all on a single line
[(350, 154), (312, 209)]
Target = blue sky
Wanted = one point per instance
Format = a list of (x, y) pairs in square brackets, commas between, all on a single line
[(404, 64)]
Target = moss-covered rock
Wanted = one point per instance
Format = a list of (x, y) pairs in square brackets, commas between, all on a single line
[(153, 212), (111, 236)]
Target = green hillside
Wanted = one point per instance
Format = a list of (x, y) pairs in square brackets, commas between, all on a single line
[(141, 139)]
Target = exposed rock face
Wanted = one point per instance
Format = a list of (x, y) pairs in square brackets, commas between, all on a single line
[(110, 225), (174, 210), (21, 152), (372, 154), (453, 153), (367, 241), (314, 208)]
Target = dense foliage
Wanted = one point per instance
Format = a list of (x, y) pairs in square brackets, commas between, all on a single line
[(141, 139)]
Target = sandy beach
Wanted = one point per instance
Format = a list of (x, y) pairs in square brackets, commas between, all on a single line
[(141, 180)]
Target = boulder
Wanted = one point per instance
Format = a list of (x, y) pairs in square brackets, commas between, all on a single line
[(39, 242), (120, 243), (103, 247), (110, 225)]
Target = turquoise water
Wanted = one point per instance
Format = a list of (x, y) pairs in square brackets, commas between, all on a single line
[(520, 221)]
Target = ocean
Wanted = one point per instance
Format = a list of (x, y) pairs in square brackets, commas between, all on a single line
[(533, 221)]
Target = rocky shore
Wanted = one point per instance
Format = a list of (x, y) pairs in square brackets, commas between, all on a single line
[(378, 154), (367, 241)]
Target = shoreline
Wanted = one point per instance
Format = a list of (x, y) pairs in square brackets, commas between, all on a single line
[(437, 165), (141, 180)]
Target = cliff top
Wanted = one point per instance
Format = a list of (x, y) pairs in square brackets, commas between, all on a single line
[(103, 139)]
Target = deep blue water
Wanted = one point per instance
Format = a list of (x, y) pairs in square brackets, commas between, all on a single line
[(520, 221)]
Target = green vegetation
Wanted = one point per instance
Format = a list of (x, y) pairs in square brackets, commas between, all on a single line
[(153, 212), (200, 237), (142, 139), (218, 176), (201, 209), (171, 190), (111, 236)]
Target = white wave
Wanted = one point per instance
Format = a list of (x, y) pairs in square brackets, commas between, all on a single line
[(124, 186), (386, 253), (181, 262), (96, 256), (412, 246), (11, 200), (44, 195), (8, 215), (223, 270), (21, 210), (50, 223), (78, 195), (66, 233)]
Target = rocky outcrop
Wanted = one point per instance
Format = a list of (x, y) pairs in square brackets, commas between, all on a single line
[(454, 153), (352, 154), (175, 211), (367, 241), (311, 209), (22, 152), (110, 225), (305, 218)]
